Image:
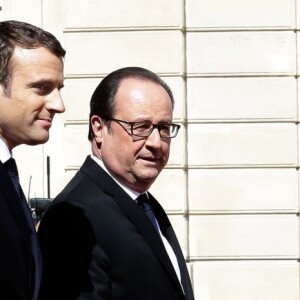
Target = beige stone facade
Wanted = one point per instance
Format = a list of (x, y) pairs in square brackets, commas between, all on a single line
[(231, 187)]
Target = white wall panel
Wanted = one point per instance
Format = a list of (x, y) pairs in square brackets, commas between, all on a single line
[(298, 50), (242, 99), (179, 224), (243, 190), (1, 11), (53, 15), (263, 280), (242, 145), (297, 13), (32, 175), (77, 145), (215, 14), (77, 95), (103, 52), (27, 11), (242, 53), (125, 14), (169, 189), (244, 236)]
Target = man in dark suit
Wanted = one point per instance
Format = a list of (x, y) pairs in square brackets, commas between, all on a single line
[(31, 75), (105, 236)]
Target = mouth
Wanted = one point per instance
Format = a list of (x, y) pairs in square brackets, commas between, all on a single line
[(150, 160), (45, 122)]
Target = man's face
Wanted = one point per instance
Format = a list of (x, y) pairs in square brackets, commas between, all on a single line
[(27, 112), (137, 161)]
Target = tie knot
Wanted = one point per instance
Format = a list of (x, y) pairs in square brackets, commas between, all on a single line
[(142, 198), (144, 202), (11, 167)]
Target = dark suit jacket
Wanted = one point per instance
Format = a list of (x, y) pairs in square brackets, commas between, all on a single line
[(97, 243), (17, 267)]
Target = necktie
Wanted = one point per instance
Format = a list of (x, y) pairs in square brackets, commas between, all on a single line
[(14, 176), (144, 202)]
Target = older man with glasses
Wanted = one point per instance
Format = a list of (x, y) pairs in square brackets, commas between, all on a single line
[(105, 236)]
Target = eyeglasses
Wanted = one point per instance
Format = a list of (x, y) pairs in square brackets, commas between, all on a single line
[(144, 129)]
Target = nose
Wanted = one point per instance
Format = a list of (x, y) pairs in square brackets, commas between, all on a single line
[(55, 103), (154, 139)]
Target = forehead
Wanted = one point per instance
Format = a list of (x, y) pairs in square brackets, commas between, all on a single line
[(38, 60), (137, 94)]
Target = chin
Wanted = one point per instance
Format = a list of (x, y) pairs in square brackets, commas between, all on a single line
[(149, 178), (37, 141)]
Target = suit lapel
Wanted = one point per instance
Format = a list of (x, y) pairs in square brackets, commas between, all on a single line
[(145, 227), (133, 212), (170, 235)]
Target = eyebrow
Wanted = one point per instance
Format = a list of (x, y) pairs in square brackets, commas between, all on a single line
[(44, 82)]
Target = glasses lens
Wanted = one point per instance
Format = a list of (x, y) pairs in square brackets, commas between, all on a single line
[(174, 130), (168, 130), (165, 130), (141, 129)]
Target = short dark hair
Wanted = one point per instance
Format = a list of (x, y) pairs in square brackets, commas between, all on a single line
[(27, 36), (103, 99)]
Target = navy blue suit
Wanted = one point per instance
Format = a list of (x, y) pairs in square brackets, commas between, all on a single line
[(97, 243), (19, 268)]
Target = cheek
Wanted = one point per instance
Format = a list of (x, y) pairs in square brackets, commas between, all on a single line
[(166, 148), (114, 152), (120, 150), (10, 113)]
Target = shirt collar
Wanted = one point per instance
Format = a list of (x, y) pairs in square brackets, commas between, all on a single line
[(5, 154)]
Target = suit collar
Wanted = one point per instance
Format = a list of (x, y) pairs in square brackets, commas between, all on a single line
[(91, 169)]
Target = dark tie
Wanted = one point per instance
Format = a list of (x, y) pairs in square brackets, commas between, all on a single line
[(12, 170), (13, 174), (144, 202)]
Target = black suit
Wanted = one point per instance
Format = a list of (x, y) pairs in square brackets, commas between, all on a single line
[(17, 266), (97, 243)]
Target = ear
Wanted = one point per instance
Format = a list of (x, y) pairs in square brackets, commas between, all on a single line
[(98, 127)]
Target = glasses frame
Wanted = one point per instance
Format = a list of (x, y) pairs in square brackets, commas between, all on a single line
[(176, 126)]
